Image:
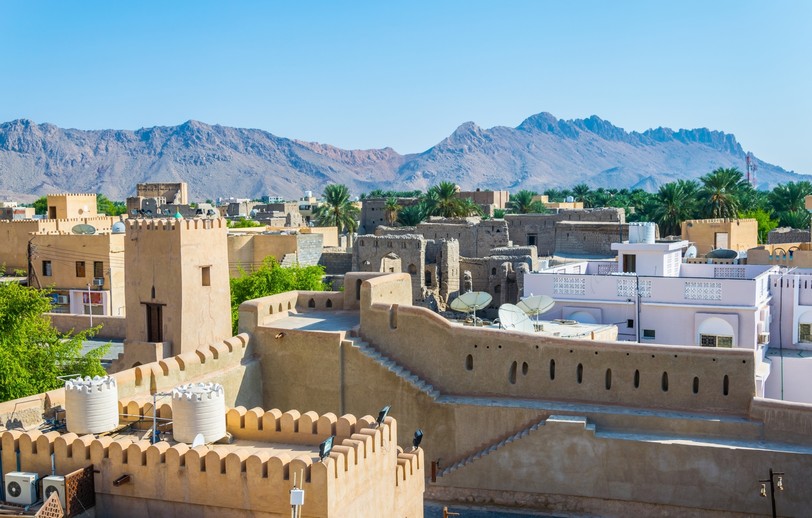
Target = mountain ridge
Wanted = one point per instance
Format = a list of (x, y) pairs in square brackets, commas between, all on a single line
[(540, 153)]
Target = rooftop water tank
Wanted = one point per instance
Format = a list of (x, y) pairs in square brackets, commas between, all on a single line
[(198, 408), (119, 227), (91, 405)]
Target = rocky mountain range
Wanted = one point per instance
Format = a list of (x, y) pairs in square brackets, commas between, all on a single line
[(542, 152)]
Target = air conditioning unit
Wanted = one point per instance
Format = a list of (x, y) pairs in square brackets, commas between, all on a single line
[(54, 483), (98, 281), (21, 487), (763, 338), (62, 299)]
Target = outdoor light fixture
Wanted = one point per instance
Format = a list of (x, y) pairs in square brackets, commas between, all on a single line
[(418, 436), (279, 335), (382, 415), (776, 481), (326, 447)]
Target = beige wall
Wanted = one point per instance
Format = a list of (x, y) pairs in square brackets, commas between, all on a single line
[(173, 192), (165, 260), (70, 206), (742, 233), (112, 327), (16, 234), (798, 255), (65, 250)]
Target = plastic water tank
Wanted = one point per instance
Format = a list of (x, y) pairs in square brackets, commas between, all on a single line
[(634, 233), (647, 232), (570, 199), (91, 405), (198, 408)]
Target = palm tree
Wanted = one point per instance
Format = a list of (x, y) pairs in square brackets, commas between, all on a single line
[(672, 205), (522, 203), (337, 209), (412, 215), (442, 200), (720, 191), (392, 207), (582, 193), (468, 207), (795, 219), (789, 197)]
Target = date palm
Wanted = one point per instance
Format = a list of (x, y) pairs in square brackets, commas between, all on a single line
[(720, 192), (672, 205), (337, 209), (392, 207), (522, 203)]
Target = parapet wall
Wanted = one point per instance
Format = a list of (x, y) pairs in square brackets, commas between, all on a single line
[(113, 327), (137, 225), (492, 362), (254, 480)]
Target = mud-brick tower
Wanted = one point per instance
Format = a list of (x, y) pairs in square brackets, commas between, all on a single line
[(177, 293)]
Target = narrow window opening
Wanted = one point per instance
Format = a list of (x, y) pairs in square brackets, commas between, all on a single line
[(512, 373), (80, 268), (469, 363), (525, 368), (665, 382), (579, 373), (311, 303), (552, 370), (206, 275), (696, 385), (636, 379), (726, 385), (329, 303), (608, 379)]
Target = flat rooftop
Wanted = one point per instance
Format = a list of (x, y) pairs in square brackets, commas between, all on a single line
[(319, 321)]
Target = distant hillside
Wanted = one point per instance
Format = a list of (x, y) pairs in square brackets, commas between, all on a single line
[(540, 153)]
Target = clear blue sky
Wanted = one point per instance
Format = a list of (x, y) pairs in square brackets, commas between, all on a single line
[(405, 75)]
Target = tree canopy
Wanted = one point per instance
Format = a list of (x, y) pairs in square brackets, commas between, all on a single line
[(337, 209), (32, 352), (271, 278)]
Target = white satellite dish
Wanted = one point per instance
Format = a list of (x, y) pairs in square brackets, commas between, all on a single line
[(514, 319), (535, 305), (199, 440), (471, 301), (691, 252)]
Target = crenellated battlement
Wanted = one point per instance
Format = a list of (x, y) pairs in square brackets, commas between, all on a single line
[(71, 195), (165, 224), (249, 477)]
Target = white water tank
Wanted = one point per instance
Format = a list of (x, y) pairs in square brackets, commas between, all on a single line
[(91, 405), (647, 232), (198, 408)]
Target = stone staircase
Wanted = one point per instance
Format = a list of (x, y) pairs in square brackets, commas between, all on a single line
[(384, 361), (491, 448)]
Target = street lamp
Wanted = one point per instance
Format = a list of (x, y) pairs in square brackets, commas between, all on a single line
[(776, 481)]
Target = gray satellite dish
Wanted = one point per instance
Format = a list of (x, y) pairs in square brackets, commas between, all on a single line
[(199, 440), (514, 319), (722, 253), (691, 252), (84, 229)]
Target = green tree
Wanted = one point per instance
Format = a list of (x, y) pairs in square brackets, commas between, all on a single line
[(522, 203), (765, 222), (789, 197), (498, 213), (468, 207), (392, 207), (720, 192), (441, 200), (112, 208), (40, 206), (32, 352), (582, 193), (244, 223), (672, 205), (269, 279), (412, 215), (795, 219), (337, 209)]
